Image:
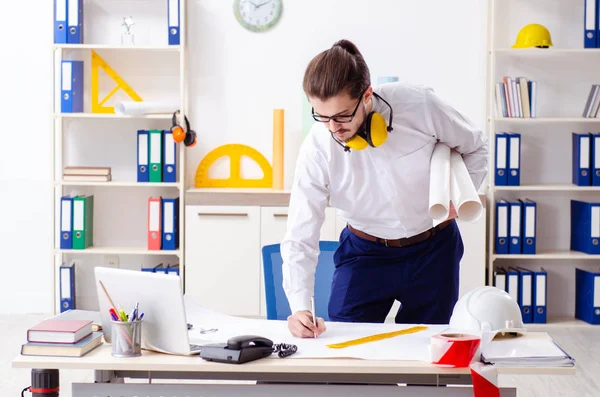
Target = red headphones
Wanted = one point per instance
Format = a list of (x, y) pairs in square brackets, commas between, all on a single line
[(187, 136)]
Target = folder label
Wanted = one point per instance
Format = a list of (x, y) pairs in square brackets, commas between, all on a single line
[(529, 222), (595, 232), (78, 212), (514, 155), (540, 288), (526, 301), (73, 13), (597, 154), (513, 287), (67, 73), (502, 222), (143, 152), (66, 216), (169, 154), (155, 216), (584, 154), (168, 226), (597, 291)]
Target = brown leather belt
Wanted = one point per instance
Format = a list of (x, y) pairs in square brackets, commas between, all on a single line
[(403, 242)]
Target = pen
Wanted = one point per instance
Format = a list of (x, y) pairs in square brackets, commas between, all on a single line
[(312, 303)]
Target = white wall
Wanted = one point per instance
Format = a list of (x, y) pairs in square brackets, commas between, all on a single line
[(236, 77)]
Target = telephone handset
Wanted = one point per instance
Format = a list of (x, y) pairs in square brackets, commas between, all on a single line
[(248, 341), (244, 348)]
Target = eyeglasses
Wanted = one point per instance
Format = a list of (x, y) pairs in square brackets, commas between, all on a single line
[(341, 118)]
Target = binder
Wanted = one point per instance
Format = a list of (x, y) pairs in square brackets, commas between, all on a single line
[(67, 287), (512, 283), (540, 290), (155, 150), (581, 159), (75, 21), (71, 76), (502, 224), (169, 157), (587, 296), (173, 17), (173, 270), (60, 21), (526, 294), (528, 227), (154, 223), (501, 159), (514, 211), (585, 227), (170, 223), (142, 156), (66, 222), (590, 26), (500, 278), (514, 160), (595, 159), (83, 221)]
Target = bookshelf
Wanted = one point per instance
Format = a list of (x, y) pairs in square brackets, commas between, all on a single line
[(564, 74), (155, 70)]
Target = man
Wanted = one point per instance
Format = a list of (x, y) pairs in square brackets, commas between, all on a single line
[(389, 249)]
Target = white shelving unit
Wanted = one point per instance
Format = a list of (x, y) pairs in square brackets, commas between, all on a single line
[(564, 74), (123, 197)]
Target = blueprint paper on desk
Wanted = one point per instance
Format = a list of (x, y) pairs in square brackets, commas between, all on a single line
[(411, 347)]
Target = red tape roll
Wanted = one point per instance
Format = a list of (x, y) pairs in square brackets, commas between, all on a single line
[(453, 350)]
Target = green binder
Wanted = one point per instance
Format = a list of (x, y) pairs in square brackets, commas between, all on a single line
[(155, 150), (83, 221)]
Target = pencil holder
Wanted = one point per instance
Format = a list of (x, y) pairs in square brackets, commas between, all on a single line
[(126, 338)]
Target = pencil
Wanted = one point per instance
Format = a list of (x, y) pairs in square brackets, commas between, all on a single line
[(108, 296), (312, 303)]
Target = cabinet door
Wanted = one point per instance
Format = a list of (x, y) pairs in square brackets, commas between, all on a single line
[(223, 258), (272, 230)]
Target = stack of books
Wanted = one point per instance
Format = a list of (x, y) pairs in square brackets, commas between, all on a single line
[(61, 337), (516, 97), (593, 102), (87, 174)]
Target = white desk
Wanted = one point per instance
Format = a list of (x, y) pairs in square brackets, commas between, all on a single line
[(294, 377)]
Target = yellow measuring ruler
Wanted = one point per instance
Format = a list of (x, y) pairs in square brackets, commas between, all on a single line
[(377, 337)]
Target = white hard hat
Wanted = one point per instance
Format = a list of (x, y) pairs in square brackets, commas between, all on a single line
[(487, 309)]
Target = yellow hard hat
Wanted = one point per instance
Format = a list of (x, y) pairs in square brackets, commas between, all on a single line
[(533, 35)]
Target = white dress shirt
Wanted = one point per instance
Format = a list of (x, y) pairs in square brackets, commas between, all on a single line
[(382, 191)]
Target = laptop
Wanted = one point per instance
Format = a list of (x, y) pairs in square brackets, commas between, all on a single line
[(160, 298)]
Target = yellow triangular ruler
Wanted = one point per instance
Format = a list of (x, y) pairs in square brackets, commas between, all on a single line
[(97, 105), (235, 152)]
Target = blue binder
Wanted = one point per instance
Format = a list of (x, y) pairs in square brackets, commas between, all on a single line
[(71, 87), (528, 226), (502, 225), (540, 293), (174, 270), (590, 24), (595, 159), (169, 157), (75, 21), (60, 21), (587, 296), (501, 166), (143, 150), (170, 223), (67, 287), (581, 159), (514, 212), (526, 294), (66, 222), (173, 21), (514, 160), (585, 227)]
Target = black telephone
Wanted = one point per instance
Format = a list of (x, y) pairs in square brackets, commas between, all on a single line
[(238, 350)]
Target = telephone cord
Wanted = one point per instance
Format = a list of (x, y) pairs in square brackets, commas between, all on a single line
[(284, 349)]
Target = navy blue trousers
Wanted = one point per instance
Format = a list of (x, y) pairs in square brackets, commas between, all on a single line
[(423, 277)]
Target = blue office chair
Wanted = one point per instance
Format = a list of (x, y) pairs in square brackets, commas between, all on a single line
[(278, 307)]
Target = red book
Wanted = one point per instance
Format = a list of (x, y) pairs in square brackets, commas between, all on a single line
[(59, 331)]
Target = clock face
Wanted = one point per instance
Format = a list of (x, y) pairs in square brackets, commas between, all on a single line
[(257, 15)]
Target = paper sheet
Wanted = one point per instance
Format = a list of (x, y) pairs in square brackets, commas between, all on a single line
[(411, 347), (134, 108), (462, 192), (439, 184), (450, 182)]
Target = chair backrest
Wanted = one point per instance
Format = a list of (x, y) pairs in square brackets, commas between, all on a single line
[(278, 307)]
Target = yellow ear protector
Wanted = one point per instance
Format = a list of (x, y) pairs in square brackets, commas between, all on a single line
[(372, 132), (187, 136)]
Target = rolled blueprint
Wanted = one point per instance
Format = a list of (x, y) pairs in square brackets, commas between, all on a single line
[(462, 191), (439, 183), (134, 108)]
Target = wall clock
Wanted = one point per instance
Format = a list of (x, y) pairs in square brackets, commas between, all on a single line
[(257, 15)]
